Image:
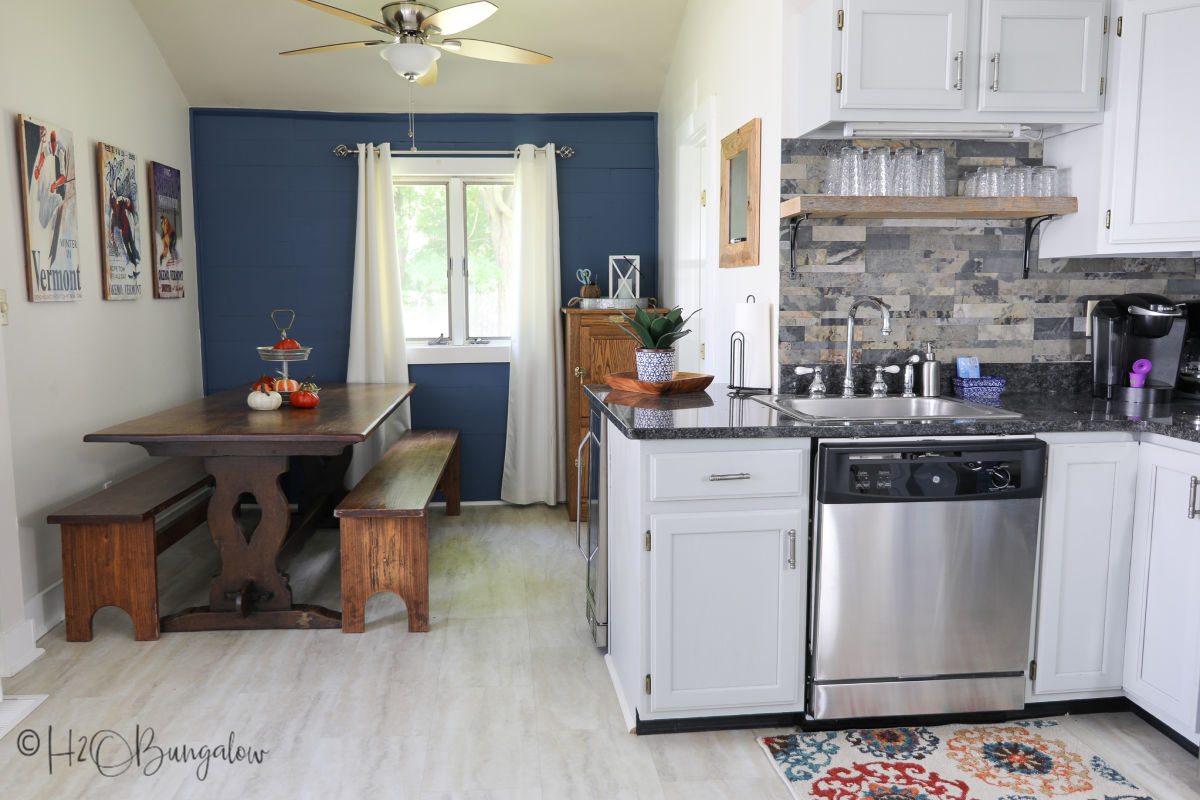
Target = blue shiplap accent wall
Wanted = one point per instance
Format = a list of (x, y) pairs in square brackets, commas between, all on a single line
[(275, 229)]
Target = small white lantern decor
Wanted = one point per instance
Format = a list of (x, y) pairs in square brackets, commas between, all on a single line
[(656, 334)]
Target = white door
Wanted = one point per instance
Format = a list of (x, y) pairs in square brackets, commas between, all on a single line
[(1156, 170), (1087, 532), (1041, 55), (904, 55), (726, 603), (1162, 659)]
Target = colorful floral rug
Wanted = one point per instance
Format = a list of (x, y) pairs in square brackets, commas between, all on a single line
[(1026, 760)]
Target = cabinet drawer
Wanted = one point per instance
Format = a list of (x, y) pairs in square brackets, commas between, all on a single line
[(695, 476)]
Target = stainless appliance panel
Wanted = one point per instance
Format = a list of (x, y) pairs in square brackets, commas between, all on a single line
[(921, 589), (850, 700)]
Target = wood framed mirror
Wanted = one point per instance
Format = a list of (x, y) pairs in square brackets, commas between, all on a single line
[(740, 190)]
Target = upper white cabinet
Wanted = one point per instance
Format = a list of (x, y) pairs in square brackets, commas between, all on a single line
[(904, 55), (1162, 659), (1087, 533), (1135, 175), (962, 62), (1041, 56)]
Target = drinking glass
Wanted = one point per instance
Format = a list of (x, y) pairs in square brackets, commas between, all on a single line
[(1045, 181), (832, 183), (971, 184), (1020, 181), (851, 169), (904, 182), (991, 181), (931, 171), (879, 172)]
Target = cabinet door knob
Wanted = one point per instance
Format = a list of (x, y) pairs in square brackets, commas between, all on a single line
[(1192, 497), (579, 373)]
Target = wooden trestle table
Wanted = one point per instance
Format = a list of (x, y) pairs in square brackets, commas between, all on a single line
[(246, 452)]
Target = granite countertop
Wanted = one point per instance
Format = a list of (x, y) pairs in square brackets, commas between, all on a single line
[(712, 414)]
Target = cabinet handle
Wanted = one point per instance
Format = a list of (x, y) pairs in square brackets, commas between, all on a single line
[(958, 71), (792, 548), (1192, 498), (995, 72), (730, 476), (579, 373)]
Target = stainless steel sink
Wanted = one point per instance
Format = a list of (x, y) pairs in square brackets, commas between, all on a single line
[(880, 409)]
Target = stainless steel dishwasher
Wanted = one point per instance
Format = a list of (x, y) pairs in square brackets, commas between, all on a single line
[(923, 575)]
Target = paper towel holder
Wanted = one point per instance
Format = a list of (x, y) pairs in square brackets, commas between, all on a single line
[(737, 363)]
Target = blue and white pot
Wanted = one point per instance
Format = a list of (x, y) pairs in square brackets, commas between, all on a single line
[(655, 366)]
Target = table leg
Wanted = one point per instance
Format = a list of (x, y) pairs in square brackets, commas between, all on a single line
[(250, 591)]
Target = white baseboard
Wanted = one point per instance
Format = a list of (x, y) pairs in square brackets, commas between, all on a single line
[(15, 708), (18, 648), (46, 608)]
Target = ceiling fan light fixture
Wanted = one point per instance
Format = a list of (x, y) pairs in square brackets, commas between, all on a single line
[(410, 60)]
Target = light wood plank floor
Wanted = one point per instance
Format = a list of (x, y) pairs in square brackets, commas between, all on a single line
[(504, 697)]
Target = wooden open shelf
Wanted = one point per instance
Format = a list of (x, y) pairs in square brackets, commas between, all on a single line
[(824, 206)]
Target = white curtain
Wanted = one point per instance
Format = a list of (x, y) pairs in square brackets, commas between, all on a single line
[(533, 451), (377, 352)]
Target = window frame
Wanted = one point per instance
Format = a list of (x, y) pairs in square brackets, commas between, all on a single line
[(455, 173)]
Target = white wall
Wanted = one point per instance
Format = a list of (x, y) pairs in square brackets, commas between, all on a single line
[(738, 67), (70, 368)]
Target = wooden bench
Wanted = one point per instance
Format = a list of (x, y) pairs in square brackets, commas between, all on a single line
[(384, 529), (111, 542)]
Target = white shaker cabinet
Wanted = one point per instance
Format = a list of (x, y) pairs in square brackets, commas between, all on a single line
[(1087, 533), (958, 62), (904, 55), (1136, 175), (707, 544), (1162, 659), (1042, 56)]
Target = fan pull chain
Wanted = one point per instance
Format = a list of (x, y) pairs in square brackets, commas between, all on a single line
[(411, 119)]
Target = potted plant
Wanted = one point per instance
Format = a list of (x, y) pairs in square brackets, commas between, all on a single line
[(656, 335)]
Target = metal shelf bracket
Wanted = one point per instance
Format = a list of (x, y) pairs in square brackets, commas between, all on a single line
[(796, 220), (1031, 226)]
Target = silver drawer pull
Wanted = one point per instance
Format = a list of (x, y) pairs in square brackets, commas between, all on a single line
[(1192, 498), (730, 476), (792, 548)]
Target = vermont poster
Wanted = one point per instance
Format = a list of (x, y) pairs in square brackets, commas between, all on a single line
[(51, 223), (119, 224), (166, 228)]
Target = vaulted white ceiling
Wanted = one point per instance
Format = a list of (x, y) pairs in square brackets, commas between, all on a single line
[(608, 56)]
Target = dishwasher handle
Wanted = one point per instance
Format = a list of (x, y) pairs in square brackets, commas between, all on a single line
[(588, 437)]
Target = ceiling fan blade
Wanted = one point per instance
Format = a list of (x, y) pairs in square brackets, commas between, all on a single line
[(452, 20), (493, 51), (350, 15), (325, 48), (429, 78)]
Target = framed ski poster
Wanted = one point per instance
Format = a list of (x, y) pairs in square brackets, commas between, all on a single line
[(121, 252), (165, 229), (52, 269)]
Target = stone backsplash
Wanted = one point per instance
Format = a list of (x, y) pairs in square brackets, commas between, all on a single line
[(955, 282)]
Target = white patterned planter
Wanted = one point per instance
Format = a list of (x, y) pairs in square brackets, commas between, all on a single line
[(655, 366)]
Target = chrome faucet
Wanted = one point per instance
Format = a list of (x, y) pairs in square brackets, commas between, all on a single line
[(915, 358), (886, 311), (817, 388)]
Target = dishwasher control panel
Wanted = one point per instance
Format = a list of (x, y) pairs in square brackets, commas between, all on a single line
[(984, 470)]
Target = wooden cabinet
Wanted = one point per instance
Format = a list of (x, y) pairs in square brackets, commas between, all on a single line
[(1162, 656), (595, 347), (1087, 533), (1036, 55), (707, 575), (957, 62), (1135, 180)]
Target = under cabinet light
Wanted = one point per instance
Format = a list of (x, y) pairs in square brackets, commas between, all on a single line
[(870, 130)]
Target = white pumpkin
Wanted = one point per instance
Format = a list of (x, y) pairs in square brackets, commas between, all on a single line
[(260, 400)]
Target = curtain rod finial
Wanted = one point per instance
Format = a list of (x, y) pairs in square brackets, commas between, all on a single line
[(341, 151)]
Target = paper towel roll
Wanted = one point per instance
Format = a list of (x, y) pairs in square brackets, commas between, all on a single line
[(754, 321)]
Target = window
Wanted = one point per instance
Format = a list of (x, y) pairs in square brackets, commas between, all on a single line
[(454, 233)]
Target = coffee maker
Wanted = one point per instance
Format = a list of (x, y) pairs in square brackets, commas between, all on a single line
[(1188, 384), (1137, 343)]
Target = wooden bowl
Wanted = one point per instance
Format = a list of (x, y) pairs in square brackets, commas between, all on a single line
[(680, 382)]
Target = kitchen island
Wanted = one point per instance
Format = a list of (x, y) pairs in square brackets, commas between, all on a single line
[(709, 500)]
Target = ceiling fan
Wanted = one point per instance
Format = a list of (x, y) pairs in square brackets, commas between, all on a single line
[(410, 50)]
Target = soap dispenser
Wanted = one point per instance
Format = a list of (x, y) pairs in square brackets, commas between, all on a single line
[(931, 373)]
